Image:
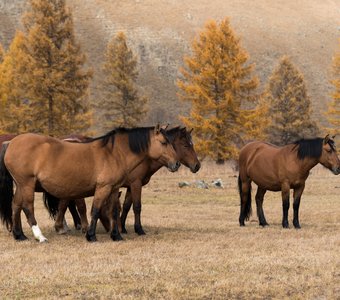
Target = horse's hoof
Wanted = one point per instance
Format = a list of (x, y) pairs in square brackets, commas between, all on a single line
[(91, 238), (264, 224), (285, 225), (297, 226), (78, 227), (43, 240), (116, 237), (139, 230), (61, 230), (20, 237)]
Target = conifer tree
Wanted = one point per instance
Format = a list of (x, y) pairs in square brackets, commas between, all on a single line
[(2, 53), (289, 105), (15, 114), (121, 105), (57, 85), (333, 113), (217, 81)]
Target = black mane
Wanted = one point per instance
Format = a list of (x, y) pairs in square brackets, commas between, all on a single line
[(311, 147), (139, 138)]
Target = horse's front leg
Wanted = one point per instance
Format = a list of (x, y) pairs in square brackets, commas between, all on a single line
[(126, 208), (75, 216), (285, 189), (101, 194), (296, 205), (115, 213), (136, 194)]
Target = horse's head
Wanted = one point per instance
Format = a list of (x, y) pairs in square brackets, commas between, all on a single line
[(184, 147), (162, 150), (329, 157)]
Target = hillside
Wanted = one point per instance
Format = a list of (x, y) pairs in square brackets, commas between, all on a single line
[(160, 33)]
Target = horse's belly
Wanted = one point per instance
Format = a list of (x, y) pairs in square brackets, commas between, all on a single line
[(68, 188)]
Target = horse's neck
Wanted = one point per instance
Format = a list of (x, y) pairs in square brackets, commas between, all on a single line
[(123, 155), (308, 163)]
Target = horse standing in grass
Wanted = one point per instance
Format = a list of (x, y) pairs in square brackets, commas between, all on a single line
[(74, 170), (182, 143), (73, 205), (281, 169)]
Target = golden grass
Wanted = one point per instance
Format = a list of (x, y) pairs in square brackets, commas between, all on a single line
[(194, 248)]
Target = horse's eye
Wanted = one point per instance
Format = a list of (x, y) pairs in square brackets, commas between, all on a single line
[(329, 150), (163, 143)]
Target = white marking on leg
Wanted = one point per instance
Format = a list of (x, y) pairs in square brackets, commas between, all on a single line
[(37, 234)]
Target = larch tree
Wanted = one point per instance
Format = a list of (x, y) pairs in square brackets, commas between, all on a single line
[(333, 113), (15, 113), (289, 105), (218, 81), (58, 84), (121, 105), (2, 53)]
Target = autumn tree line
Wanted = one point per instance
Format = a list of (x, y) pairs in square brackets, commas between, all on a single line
[(44, 87)]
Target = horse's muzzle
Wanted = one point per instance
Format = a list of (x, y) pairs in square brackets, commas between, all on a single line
[(173, 167), (336, 171), (194, 168)]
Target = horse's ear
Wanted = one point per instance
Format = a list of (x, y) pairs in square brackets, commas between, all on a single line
[(190, 131), (157, 129), (326, 139), (164, 127), (333, 137)]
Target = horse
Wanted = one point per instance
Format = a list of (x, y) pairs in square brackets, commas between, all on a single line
[(74, 170), (73, 205), (281, 169), (140, 176)]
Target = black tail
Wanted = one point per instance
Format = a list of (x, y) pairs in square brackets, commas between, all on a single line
[(247, 208), (51, 203), (6, 191)]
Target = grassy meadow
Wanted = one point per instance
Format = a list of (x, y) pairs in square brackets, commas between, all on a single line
[(194, 248)]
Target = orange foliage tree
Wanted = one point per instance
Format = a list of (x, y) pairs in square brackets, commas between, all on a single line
[(333, 113), (218, 81)]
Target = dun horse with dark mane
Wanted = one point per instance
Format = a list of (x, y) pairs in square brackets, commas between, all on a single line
[(182, 142), (281, 169), (74, 170)]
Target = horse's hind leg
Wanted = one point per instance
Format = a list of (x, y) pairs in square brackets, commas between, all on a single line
[(245, 197), (17, 231), (81, 206), (259, 206), (285, 189), (60, 217), (28, 207)]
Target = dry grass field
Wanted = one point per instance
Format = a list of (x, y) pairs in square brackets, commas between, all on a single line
[(194, 248)]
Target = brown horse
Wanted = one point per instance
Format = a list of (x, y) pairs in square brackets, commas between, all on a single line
[(140, 176), (73, 205), (74, 170), (281, 169)]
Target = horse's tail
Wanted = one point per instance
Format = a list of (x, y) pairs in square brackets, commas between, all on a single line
[(51, 203), (247, 208), (6, 191)]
